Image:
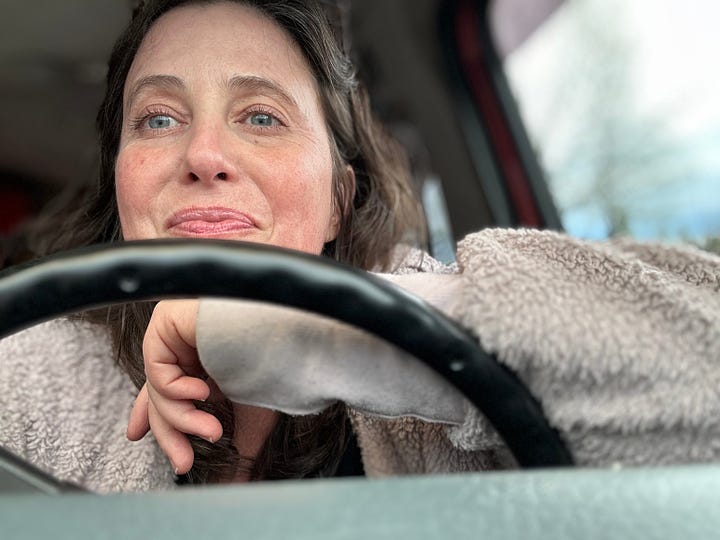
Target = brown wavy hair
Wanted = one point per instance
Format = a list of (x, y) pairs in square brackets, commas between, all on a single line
[(381, 212)]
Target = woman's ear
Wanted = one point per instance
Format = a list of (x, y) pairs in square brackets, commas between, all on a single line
[(341, 203)]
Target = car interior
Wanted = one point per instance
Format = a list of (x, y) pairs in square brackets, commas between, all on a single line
[(445, 76)]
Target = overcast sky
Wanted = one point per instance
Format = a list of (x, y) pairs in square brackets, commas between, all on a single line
[(673, 77)]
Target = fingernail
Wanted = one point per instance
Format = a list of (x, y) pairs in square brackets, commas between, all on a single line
[(210, 440), (176, 471)]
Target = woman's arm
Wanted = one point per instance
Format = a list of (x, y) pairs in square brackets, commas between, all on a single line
[(271, 357)]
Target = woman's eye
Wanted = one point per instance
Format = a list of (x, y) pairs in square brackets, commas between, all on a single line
[(263, 120), (161, 121)]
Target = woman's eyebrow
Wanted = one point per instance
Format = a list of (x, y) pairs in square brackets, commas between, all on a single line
[(255, 84), (243, 83), (165, 82)]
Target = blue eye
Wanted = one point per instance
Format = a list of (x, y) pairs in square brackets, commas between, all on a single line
[(262, 120), (161, 121)]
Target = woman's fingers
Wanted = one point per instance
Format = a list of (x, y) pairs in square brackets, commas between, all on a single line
[(181, 414), (172, 365), (139, 425), (171, 421), (184, 417), (173, 443), (165, 404)]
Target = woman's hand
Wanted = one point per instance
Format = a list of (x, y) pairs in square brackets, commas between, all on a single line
[(175, 378)]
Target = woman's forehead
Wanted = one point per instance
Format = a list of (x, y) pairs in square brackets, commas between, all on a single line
[(219, 42)]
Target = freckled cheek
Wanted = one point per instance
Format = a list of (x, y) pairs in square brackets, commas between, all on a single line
[(135, 192), (126, 184), (303, 203), (307, 181)]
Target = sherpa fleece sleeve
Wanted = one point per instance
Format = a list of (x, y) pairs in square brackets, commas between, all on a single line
[(618, 340)]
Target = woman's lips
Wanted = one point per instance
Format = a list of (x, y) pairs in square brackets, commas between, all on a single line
[(212, 221)]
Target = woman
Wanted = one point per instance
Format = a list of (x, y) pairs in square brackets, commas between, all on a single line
[(241, 148), (256, 131)]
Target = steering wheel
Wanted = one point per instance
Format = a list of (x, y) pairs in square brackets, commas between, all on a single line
[(132, 271)]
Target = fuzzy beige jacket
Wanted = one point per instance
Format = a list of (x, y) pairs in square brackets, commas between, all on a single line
[(619, 341)]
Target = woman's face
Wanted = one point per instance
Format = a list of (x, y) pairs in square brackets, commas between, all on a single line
[(223, 134)]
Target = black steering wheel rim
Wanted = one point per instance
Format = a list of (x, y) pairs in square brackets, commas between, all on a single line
[(154, 269)]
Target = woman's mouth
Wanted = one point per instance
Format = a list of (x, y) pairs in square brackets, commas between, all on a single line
[(209, 221)]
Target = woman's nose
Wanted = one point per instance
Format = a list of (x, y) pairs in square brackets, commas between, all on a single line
[(207, 155)]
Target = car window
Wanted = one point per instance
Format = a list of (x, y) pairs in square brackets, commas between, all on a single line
[(621, 103)]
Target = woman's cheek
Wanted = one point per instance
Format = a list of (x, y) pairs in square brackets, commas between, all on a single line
[(134, 195)]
